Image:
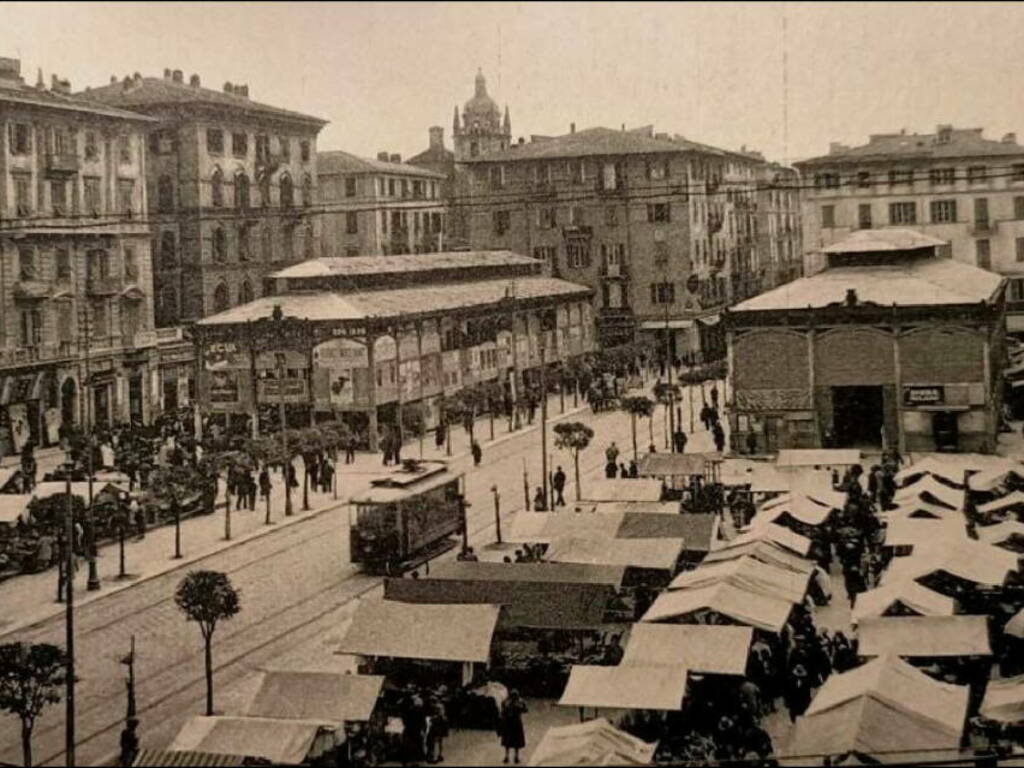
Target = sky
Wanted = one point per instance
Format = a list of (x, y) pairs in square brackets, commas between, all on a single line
[(782, 78)]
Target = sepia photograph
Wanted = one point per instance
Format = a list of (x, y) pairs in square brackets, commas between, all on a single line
[(511, 383)]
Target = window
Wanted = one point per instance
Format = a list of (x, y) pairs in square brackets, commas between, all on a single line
[(22, 194), (657, 170), (977, 174), (97, 265), (262, 147), (660, 254), (828, 216), (405, 187), (1018, 207), (1020, 248), (168, 251), (577, 216), (942, 176), (62, 259), (307, 191), (826, 180), (350, 186), (983, 253), (165, 194), (308, 242), (304, 151), (220, 245), (124, 149), (286, 148), (93, 195), (545, 253), (287, 192), (243, 242), (241, 191), (221, 298), (547, 218), (217, 188), (577, 254), (903, 213), (131, 266), (1015, 290), (288, 244), (352, 223), (943, 211), (267, 243), (502, 221), (100, 320), (863, 179), (981, 211), (1017, 170), (864, 215), (391, 187), (31, 327), (659, 213), (59, 197), (126, 196), (611, 216), (265, 198), (167, 306), (497, 177), (19, 138), (92, 149), (240, 144), (26, 263), (663, 293), (901, 176), (245, 294), (215, 141)]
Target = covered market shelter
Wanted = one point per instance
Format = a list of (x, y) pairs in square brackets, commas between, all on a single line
[(924, 636), (630, 489), (736, 604), (283, 742), (703, 649), (901, 598), (332, 698), (594, 742), (656, 687), (749, 574)]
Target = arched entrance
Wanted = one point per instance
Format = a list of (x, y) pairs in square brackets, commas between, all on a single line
[(69, 402)]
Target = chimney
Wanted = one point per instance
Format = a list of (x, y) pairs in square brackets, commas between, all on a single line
[(396, 158), (382, 156), (167, 74), (623, 129), (60, 86), (243, 91), (137, 77), (943, 134), (522, 140), (851, 297), (178, 76), (436, 137), (1010, 138), (572, 127), (10, 70), (229, 88), (113, 79), (194, 81)]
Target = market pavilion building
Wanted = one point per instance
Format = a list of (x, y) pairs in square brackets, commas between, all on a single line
[(888, 345), (361, 337)]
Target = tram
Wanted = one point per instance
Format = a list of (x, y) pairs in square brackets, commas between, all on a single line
[(406, 517)]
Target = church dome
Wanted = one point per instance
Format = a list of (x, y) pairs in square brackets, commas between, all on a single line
[(481, 106)]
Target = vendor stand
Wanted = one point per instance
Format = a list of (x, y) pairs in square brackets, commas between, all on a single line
[(594, 742), (703, 649), (19, 542), (649, 562), (619, 489), (721, 603), (751, 575), (283, 742), (656, 687), (691, 478), (906, 598)]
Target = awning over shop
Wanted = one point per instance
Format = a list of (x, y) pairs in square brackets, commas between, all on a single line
[(658, 687), (639, 489), (21, 389), (432, 632), (921, 600), (673, 465), (743, 607), (749, 574), (818, 457), (331, 698), (924, 636), (595, 742), (654, 554), (1004, 700), (660, 325), (283, 742), (705, 649)]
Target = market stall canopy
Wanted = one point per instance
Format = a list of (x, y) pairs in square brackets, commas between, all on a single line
[(924, 636), (698, 531), (1015, 626), (915, 531), (949, 471), (997, 477), (735, 472), (765, 551), (283, 742), (190, 759), (931, 491), (701, 648), (545, 573), (818, 457), (10, 480), (673, 465), (630, 489), (885, 709), (657, 687), (13, 506), (545, 527), (331, 698), (743, 607), (798, 507), (1014, 500), (1004, 700), (634, 507), (826, 497), (654, 554), (595, 742), (777, 534), (922, 510), (921, 600), (411, 631), (750, 574), (966, 559), (1000, 532)]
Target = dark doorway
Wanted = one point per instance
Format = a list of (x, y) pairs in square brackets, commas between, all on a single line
[(69, 402), (857, 416), (945, 428)]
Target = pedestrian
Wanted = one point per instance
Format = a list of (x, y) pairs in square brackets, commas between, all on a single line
[(623, 470), (611, 470), (439, 435), (719, 435), (679, 440), (539, 502), (612, 452), (265, 482), (751, 442), (312, 462), (437, 729), (350, 449), (558, 483), (250, 490), (414, 728), (510, 725), (798, 692), (138, 518), (634, 471), (326, 477), (714, 396), (477, 452), (292, 478)]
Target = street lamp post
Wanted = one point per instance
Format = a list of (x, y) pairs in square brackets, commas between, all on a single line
[(284, 437), (69, 625), (497, 512), (543, 415), (176, 509)]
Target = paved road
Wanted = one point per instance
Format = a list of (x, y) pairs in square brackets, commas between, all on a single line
[(293, 582)]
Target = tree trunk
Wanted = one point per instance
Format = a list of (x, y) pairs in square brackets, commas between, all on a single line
[(120, 544), (26, 744), (576, 463), (575, 393), (208, 643), (305, 485), (650, 426), (491, 412)]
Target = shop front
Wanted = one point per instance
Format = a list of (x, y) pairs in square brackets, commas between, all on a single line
[(30, 411)]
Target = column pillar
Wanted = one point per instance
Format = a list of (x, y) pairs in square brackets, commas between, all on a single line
[(397, 331), (371, 340), (254, 383), (901, 440), (811, 333), (198, 373), (990, 425)]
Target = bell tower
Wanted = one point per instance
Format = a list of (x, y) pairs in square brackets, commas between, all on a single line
[(481, 130)]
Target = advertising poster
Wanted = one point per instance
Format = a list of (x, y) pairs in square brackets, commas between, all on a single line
[(223, 386), (18, 415), (340, 358), (53, 419)]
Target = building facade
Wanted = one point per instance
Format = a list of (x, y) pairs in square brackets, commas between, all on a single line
[(954, 184), (363, 338), (76, 326), (779, 234), (439, 159), (232, 190), (888, 346), (377, 207)]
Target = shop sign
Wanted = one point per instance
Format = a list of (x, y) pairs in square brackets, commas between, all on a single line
[(225, 354), (223, 387), (287, 390), (923, 395)]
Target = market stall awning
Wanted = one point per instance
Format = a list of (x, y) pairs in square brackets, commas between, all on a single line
[(704, 649), (915, 508), (1000, 532), (921, 600), (966, 559), (672, 465), (818, 457), (909, 531), (997, 477), (1009, 501), (545, 527), (545, 573), (924, 636), (595, 742), (932, 491), (765, 551), (950, 471), (749, 574), (654, 554), (740, 605), (634, 507), (658, 687), (431, 632), (798, 507), (13, 506), (331, 698), (1015, 626), (824, 497), (696, 530), (189, 759), (734, 472), (776, 534), (283, 742), (631, 489), (1004, 700)]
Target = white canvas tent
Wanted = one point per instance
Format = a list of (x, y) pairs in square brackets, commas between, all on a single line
[(970, 560), (595, 742), (631, 489), (777, 534), (332, 698), (283, 742), (924, 636), (921, 600), (931, 491), (1004, 700), (658, 687), (763, 550), (915, 531), (799, 507), (743, 607), (701, 648), (656, 554), (801, 458), (1013, 500), (749, 574), (1000, 533)]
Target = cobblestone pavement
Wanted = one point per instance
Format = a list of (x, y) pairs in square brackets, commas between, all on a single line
[(297, 588)]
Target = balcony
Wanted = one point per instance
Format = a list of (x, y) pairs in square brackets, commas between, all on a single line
[(103, 285), (62, 164)]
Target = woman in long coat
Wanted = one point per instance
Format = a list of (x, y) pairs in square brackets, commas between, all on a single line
[(510, 725)]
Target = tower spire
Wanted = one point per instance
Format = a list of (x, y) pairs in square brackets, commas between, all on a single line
[(507, 124), (481, 83), (455, 120)]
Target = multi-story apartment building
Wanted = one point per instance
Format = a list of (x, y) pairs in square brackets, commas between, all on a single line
[(954, 184), (779, 234), (662, 228), (76, 290), (232, 185), (376, 207), (436, 157)]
